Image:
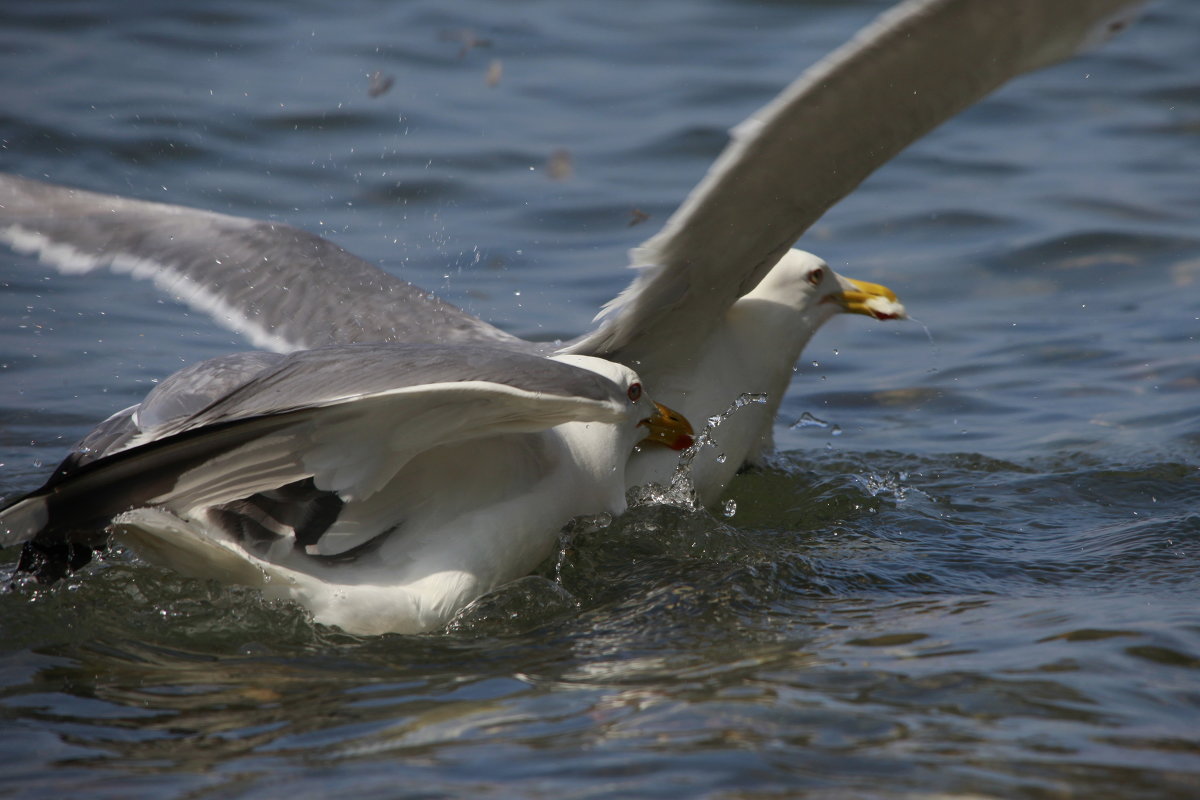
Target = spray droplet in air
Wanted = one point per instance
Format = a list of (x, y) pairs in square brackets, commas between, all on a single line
[(681, 491), (807, 420)]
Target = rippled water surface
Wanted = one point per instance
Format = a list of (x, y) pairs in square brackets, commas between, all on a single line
[(977, 578)]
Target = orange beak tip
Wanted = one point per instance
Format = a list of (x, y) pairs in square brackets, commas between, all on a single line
[(668, 428)]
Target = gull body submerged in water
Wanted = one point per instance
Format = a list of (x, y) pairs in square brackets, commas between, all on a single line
[(381, 486), (382, 472)]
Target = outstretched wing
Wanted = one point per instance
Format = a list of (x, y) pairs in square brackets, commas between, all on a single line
[(283, 288), (911, 69)]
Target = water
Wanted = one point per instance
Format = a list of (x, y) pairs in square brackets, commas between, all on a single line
[(986, 585)]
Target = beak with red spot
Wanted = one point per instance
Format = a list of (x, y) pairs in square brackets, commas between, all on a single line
[(869, 299), (669, 428)]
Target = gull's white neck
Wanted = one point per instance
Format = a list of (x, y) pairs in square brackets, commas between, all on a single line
[(752, 350)]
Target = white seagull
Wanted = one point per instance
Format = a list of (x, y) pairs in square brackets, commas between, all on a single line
[(720, 305), (381, 486)]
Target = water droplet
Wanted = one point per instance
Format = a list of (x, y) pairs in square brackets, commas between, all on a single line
[(681, 491), (835, 431), (807, 420), (729, 508), (721, 458), (745, 399)]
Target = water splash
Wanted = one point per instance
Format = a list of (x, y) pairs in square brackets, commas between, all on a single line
[(808, 420), (578, 526), (937, 353), (928, 333), (681, 491), (894, 484)]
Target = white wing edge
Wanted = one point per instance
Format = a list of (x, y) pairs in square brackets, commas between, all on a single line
[(647, 259), (70, 260)]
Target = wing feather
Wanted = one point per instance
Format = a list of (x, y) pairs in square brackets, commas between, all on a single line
[(237, 270), (346, 417), (914, 67)]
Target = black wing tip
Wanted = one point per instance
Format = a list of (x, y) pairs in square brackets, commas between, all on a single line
[(49, 552), (50, 559)]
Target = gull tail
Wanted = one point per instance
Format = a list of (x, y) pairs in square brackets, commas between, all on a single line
[(62, 524), (47, 554)]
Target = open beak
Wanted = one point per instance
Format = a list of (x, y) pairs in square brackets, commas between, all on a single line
[(668, 427), (870, 299)]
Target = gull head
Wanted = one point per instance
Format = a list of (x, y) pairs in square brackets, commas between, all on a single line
[(805, 283), (643, 421)]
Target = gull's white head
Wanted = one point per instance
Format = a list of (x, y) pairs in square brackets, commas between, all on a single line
[(644, 421), (805, 283)]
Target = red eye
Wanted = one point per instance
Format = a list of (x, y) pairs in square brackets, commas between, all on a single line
[(635, 392), (816, 276)]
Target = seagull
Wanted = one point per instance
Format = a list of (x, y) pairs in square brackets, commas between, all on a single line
[(288, 290), (720, 306), (381, 486), (698, 281)]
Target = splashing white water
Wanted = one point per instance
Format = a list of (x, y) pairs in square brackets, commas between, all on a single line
[(681, 492)]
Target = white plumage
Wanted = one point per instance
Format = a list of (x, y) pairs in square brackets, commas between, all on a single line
[(720, 306), (383, 487)]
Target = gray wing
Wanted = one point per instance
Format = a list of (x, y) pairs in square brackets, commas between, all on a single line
[(248, 385), (331, 423), (172, 402), (902, 75), (281, 287)]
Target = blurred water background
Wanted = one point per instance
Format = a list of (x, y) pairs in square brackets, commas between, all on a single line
[(972, 571)]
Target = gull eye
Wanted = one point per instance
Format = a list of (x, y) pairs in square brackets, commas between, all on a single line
[(635, 392), (816, 276)]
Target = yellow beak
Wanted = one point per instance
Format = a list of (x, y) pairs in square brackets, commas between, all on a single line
[(870, 299), (668, 427)]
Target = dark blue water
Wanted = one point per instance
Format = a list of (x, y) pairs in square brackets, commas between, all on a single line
[(982, 582)]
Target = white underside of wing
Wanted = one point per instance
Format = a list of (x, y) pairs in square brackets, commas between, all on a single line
[(353, 445), (444, 491), (455, 522), (919, 63), (363, 603)]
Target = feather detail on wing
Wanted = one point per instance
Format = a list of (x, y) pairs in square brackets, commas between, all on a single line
[(917, 65), (236, 270), (345, 418)]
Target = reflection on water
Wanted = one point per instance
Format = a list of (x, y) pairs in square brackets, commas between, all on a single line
[(984, 585), (898, 632)]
